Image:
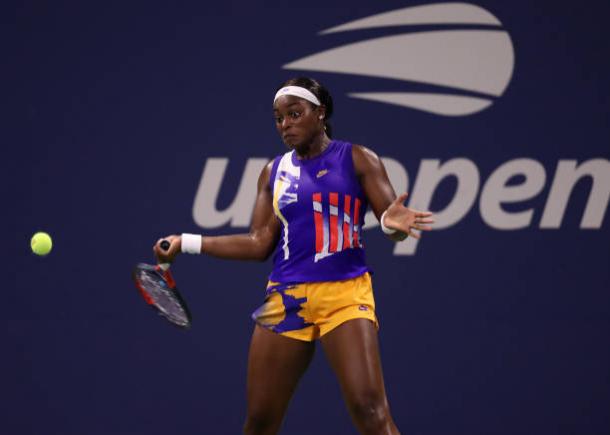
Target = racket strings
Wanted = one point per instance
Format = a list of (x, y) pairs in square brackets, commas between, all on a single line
[(163, 297)]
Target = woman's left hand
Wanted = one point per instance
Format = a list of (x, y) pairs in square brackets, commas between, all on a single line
[(404, 220)]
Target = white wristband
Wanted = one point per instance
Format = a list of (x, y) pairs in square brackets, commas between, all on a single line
[(385, 229), (191, 243)]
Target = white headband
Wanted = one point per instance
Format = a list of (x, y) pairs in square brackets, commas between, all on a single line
[(297, 91)]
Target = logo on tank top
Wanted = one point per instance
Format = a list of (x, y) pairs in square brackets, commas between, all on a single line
[(337, 228), (444, 71)]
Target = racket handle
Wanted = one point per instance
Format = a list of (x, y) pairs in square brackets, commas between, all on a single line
[(165, 246)]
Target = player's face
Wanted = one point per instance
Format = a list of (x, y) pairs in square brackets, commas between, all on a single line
[(297, 121)]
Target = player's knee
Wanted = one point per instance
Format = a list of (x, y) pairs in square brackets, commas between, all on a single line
[(370, 411), (261, 422)]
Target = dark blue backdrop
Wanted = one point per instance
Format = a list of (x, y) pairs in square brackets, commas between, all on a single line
[(113, 110)]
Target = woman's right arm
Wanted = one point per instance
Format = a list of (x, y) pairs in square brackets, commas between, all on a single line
[(256, 245)]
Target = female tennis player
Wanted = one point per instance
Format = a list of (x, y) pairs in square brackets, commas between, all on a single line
[(309, 213)]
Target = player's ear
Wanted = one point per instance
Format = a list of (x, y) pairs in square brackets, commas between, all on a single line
[(321, 111)]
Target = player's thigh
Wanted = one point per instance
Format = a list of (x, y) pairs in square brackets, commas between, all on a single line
[(352, 350), (275, 365)]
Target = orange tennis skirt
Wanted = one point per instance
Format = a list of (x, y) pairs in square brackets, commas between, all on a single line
[(307, 311)]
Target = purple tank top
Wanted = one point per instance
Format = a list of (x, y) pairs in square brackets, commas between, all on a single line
[(321, 206)]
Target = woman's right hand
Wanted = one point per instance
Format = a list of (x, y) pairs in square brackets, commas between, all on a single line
[(168, 256)]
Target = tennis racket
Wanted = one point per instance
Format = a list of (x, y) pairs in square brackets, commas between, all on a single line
[(158, 288)]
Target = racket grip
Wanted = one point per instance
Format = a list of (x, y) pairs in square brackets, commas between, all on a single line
[(165, 246)]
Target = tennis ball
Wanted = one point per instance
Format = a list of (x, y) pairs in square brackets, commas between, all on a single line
[(41, 243)]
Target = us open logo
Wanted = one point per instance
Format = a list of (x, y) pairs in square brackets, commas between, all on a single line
[(470, 68)]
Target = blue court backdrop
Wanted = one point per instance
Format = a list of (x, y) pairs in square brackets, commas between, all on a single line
[(124, 122)]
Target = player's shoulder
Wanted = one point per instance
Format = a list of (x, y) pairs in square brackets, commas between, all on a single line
[(268, 167), (363, 151), (265, 176), (364, 158)]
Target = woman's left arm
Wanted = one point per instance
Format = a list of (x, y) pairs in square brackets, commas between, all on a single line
[(382, 198)]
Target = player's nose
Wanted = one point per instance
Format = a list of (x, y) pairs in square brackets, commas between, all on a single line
[(286, 124)]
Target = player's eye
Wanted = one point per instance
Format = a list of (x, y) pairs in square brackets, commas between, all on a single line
[(295, 115), (279, 119)]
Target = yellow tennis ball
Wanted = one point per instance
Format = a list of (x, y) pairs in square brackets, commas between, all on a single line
[(41, 243)]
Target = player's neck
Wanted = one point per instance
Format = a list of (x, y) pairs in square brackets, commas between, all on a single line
[(313, 148)]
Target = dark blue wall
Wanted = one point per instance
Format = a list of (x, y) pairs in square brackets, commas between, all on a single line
[(111, 114)]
